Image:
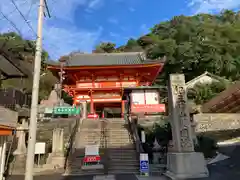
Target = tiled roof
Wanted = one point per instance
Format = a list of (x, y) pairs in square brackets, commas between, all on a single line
[(105, 59), (224, 102)]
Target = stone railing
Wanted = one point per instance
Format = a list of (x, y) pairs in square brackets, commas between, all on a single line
[(71, 142), (216, 122), (136, 138)]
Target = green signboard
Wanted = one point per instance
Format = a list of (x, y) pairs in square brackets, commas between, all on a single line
[(61, 110)]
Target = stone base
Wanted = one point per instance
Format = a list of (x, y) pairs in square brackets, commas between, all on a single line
[(97, 166), (18, 165), (56, 160), (186, 165)]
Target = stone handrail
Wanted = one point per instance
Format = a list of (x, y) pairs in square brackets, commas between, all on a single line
[(71, 140), (137, 140)]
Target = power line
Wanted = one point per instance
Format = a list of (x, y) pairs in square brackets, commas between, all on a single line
[(12, 23), (29, 25), (46, 5), (31, 5)]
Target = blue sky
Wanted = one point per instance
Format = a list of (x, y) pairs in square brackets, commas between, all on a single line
[(78, 25)]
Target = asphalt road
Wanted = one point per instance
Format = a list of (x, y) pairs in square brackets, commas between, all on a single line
[(228, 169)]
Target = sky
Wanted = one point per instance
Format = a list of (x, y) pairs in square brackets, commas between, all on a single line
[(79, 25)]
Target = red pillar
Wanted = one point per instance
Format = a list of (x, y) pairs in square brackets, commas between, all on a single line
[(123, 108), (91, 103)]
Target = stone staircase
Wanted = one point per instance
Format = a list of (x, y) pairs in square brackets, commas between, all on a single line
[(122, 157), (88, 134), (117, 149)]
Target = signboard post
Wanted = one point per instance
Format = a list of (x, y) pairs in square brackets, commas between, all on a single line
[(64, 110), (92, 156), (40, 149), (144, 164)]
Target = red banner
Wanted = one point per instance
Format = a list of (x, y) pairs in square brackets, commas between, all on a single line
[(148, 108), (90, 159)]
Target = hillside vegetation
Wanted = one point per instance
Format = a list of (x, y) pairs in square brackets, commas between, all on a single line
[(17, 48), (192, 45)]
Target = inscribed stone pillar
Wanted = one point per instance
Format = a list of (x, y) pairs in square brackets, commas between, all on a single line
[(21, 134), (84, 110), (57, 141), (181, 162)]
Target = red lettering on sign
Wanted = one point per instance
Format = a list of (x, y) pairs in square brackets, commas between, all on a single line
[(88, 159), (148, 108)]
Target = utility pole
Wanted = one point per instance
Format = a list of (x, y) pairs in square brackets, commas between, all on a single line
[(35, 91), (62, 72)]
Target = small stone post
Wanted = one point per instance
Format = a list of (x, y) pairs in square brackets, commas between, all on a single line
[(57, 141), (183, 162), (21, 134), (56, 158), (84, 110)]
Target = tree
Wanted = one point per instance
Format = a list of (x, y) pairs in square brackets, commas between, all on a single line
[(105, 47), (23, 51), (193, 45), (202, 93)]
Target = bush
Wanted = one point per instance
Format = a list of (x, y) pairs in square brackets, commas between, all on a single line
[(207, 146)]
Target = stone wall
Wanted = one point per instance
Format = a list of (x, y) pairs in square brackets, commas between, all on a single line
[(45, 129), (216, 122)]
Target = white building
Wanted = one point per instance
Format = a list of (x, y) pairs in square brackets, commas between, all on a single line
[(205, 78)]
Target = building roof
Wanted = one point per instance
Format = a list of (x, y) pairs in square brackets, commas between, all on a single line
[(226, 102), (104, 59), (8, 117), (13, 67), (205, 74), (8, 69)]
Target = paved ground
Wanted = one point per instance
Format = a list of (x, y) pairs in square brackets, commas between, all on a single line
[(228, 169), (109, 177)]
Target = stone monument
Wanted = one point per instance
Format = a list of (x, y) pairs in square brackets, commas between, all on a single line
[(182, 162), (56, 158), (21, 135), (84, 109)]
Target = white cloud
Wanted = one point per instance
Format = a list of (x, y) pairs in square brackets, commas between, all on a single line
[(60, 35), (113, 20), (205, 6)]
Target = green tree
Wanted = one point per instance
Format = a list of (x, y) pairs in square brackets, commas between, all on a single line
[(202, 93), (22, 53), (105, 47)]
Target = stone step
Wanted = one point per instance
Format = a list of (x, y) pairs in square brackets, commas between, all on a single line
[(122, 150), (120, 170), (120, 144), (136, 172), (122, 162), (122, 157), (76, 171)]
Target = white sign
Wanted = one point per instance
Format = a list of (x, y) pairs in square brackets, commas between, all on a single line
[(145, 97), (92, 150), (143, 157), (143, 137), (144, 164), (40, 148)]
